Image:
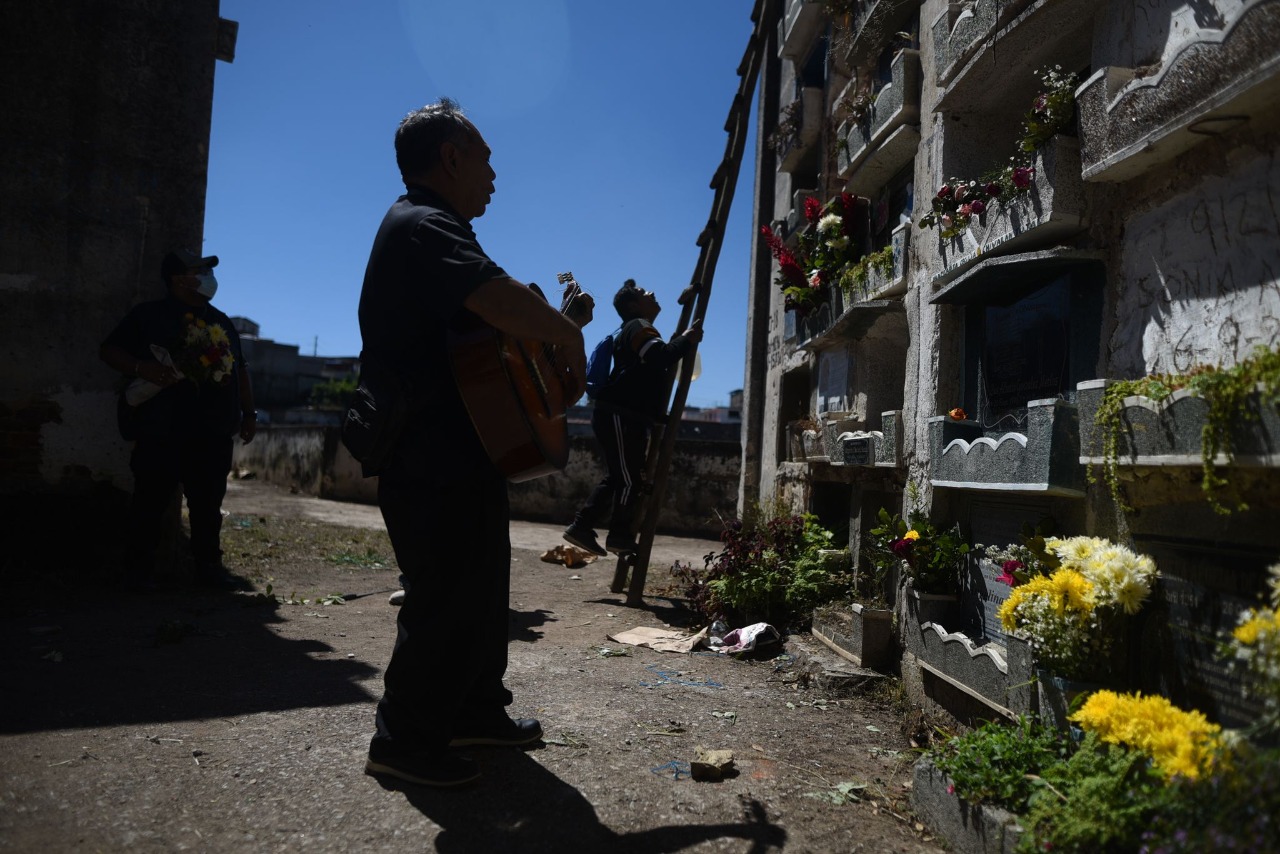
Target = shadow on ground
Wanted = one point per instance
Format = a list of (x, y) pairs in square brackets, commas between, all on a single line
[(183, 655), (522, 806)]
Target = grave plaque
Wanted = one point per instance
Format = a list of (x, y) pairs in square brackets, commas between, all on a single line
[(859, 451), (1024, 355), (1202, 591), (992, 524)]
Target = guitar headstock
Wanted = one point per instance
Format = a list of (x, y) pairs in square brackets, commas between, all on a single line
[(575, 302)]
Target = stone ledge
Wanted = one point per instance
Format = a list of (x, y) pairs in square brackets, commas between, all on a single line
[(967, 828)]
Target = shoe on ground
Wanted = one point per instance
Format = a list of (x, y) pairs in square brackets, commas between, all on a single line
[(584, 538), (502, 732), (441, 769), (620, 545), (396, 598)]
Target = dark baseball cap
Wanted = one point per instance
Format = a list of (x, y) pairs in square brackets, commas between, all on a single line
[(181, 260)]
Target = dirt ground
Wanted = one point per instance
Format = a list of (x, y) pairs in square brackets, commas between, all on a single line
[(193, 720)]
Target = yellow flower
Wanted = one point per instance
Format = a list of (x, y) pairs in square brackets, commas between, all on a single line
[(200, 324), (1255, 627), (218, 335), (911, 535), (1070, 589)]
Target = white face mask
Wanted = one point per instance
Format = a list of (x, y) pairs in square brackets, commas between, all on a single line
[(208, 285)]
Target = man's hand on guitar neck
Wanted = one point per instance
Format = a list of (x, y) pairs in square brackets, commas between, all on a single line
[(514, 309)]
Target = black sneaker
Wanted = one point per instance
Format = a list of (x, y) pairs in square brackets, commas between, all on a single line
[(620, 545), (503, 732), (441, 769), (584, 538)]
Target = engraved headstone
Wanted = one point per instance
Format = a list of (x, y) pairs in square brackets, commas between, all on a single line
[(1202, 591)]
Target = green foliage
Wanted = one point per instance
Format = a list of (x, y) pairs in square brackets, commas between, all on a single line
[(770, 570), (855, 278), (1099, 800), (333, 394), (370, 558), (1229, 395), (930, 556), (994, 764)]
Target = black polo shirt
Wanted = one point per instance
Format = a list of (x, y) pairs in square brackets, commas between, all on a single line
[(210, 409), (424, 264)]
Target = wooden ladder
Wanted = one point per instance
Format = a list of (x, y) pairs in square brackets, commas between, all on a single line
[(724, 182)]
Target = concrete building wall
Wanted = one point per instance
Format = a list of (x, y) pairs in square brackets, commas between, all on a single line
[(701, 489), (106, 131), (1147, 242)]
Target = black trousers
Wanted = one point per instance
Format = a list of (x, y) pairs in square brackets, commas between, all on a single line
[(451, 536), (624, 443), (200, 463)]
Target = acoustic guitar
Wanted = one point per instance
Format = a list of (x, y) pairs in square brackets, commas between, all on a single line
[(514, 391)]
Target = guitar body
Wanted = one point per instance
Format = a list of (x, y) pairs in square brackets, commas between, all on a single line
[(514, 395)]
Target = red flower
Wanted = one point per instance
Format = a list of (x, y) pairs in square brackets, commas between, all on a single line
[(812, 209), (1040, 103), (1009, 567), (993, 189), (1022, 176), (945, 191), (957, 414), (902, 548), (977, 206)]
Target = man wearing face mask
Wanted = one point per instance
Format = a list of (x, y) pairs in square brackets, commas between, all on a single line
[(190, 395)]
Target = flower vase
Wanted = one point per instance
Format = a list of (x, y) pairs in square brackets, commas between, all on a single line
[(1059, 697)]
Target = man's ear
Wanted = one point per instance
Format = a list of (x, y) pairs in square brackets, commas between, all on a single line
[(449, 157)]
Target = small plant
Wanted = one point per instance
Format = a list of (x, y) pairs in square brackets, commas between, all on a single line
[(770, 570), (1229, 395), (854, 279), (787, 133), (995, 763), (1100, 799), (958, 200), (931, 557)]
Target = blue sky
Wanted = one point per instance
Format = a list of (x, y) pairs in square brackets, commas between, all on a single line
[(606, 121)]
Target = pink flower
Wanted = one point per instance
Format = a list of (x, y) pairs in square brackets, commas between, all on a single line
[(1040, 103), (945, 220), (815, 281), (1022, 176), (951, 789), (977, 206), (964, 210)]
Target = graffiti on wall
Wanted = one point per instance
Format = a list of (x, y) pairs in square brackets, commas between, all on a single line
[(1200, 276)]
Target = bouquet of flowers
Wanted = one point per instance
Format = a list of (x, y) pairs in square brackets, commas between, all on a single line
[(931, 557), (1070, 616), (823, 250), (204, 353), (1177, 742), (1254, 648)]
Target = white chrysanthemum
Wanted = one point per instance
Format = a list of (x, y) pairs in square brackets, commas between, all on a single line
[(838, 243), (1147, 568), (1077, 550), (829, 223)]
